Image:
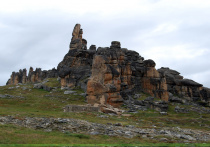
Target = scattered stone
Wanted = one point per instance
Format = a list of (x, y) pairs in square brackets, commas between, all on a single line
[(177, 100), (10, 96), (163, 139), (2, 96), (24, 88), (65, 88), (117, 124), (126, 115), (103, 116), (130, 126), (94, 133), (181, 110), (81, 126), (110, 109), (42, 86), (81, 108), (163, 113), (136, 96), (48, 130), (38, 86), (107, 110), (69, 92), (83, 94), (96, 105)]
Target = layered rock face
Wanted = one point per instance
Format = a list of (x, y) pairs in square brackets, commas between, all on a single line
[(154, 82), (34, 76), (109, 75), (118, 73), (185, 88)]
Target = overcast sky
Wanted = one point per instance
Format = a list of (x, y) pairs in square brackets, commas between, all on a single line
[(174, 33)]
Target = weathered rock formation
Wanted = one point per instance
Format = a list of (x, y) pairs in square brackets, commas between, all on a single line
[(112, 75), (77, 42), (33, 76), (18, 77), (75, 69), (185, 88), (118, 73)]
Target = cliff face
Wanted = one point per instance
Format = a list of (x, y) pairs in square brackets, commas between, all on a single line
[(114, 74), (118, 73)]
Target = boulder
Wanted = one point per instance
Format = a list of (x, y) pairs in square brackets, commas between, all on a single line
[(149, 63)]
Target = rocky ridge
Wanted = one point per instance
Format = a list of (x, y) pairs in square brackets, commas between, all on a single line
[(114, 75)]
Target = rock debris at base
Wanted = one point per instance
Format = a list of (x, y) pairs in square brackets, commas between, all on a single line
[(81, 126)]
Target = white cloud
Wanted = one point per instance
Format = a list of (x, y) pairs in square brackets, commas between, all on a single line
[(165, 28), (178, 52)]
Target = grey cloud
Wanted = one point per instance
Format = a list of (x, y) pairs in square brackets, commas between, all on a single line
[(41, 39)]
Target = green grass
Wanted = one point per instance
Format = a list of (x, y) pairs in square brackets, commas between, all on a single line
[(52, 82), (80, 136), (11, 134), (41, 103)]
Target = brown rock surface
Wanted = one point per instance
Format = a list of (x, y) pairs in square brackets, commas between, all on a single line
[(118, 73), (33, 76), (77, 42)]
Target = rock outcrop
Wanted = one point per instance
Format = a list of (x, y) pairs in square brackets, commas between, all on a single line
[(118, 73), (113, 75), (77, 42), (185, 88), (75, 69), (33, 76)]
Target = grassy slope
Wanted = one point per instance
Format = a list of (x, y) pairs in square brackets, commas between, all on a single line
[(40, 103)]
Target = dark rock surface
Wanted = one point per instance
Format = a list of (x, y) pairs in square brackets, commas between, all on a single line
[(75, 68), (185, 89)]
